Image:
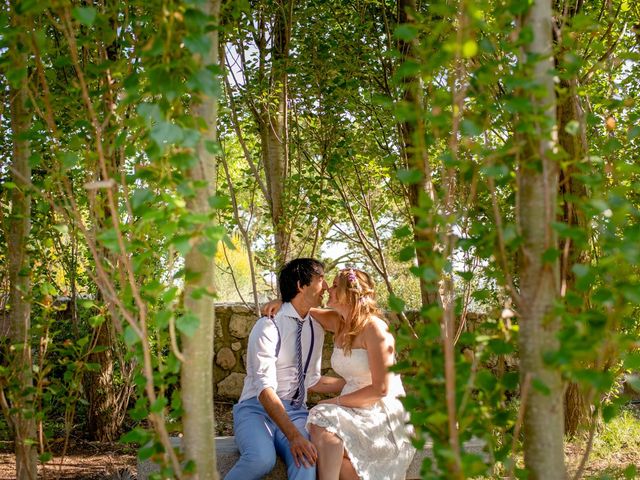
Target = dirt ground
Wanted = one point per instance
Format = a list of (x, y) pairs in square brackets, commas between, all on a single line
[(114, 461), (96, 460)]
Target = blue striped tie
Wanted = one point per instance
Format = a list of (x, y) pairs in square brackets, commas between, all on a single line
[(298, 398)]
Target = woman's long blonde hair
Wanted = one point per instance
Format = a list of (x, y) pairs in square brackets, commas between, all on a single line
[(356, 289)]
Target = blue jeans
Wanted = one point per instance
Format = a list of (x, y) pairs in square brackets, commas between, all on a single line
[(259, 440)]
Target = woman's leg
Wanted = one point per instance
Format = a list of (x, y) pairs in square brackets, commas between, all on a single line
[(347, 472), (330, 452)]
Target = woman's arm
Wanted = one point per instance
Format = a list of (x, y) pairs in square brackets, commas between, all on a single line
[(380, 346), (326, 317), (328, 384)]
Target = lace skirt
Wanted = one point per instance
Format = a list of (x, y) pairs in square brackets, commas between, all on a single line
[(376, 438)]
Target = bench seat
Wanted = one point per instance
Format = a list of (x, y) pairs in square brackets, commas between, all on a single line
[(227, 454)]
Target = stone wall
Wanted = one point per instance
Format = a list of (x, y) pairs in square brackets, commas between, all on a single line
[(233, 325)]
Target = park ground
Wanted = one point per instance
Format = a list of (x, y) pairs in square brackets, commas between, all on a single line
[(616, 449)]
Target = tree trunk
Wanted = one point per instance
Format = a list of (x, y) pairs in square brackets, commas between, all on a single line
[(414, 152), (428, 238), (576, 405), (17, 234), (537, 192), (274, 129), (197, 369), (103, 416)]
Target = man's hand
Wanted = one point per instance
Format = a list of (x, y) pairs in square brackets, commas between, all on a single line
[(304, 452)]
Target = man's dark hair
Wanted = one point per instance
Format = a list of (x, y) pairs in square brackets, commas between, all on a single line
[(297, 272)]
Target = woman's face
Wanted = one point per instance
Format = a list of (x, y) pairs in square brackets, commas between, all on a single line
[(333, 296)]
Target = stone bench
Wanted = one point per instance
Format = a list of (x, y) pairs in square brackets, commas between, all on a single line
[(227, 454)]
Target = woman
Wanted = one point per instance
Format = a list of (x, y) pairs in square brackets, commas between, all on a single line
[(360, 434)]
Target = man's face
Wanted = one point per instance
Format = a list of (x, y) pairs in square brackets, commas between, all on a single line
[(314, 292)]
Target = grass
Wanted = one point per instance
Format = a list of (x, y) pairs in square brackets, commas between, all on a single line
[(615, 454), (622, 432)]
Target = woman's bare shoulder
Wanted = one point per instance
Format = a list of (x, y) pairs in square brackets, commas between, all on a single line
[(377, 327)]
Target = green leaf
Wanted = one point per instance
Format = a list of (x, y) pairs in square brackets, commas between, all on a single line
[(188, 324), (109, 239), (158, 405), (409, 176), (182, 243), (540, 386), (601, 381), (215, 233), (630, 472), (500, 347), (609, 412), (632, 361), (396, 304), (213, 147), (208, 248), (470, 128), (407, 254), (45, 457), (140, 197), (166, 133), (437, 418), (405, 32), (486, 380), (199, 44), (219, 202), (130, 336), (572, 127), (150, 112), (634, 382), (96, 320), (92, 367), (137, 435), (69, 159), (206, 82), (466, 276), (631, 293), (162, 319), (85, 15), (550, 255), (469, 49), (403, 231), (495, 171), (169, 295)]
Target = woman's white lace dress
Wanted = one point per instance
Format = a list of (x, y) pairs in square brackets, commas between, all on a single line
[(376, 437)]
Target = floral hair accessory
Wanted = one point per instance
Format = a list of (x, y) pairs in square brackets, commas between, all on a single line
[(352, 280), (351, 276)]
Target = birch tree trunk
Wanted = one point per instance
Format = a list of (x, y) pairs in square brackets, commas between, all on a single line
[(536, 209), (17, 232), (197, 368)]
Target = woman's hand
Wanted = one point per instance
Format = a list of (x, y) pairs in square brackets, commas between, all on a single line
[(333, 401), (271, 308)]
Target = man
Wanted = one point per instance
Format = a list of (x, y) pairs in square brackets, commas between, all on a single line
[(283, 361)]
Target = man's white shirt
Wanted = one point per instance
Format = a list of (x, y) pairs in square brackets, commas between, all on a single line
[(265, 369)]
